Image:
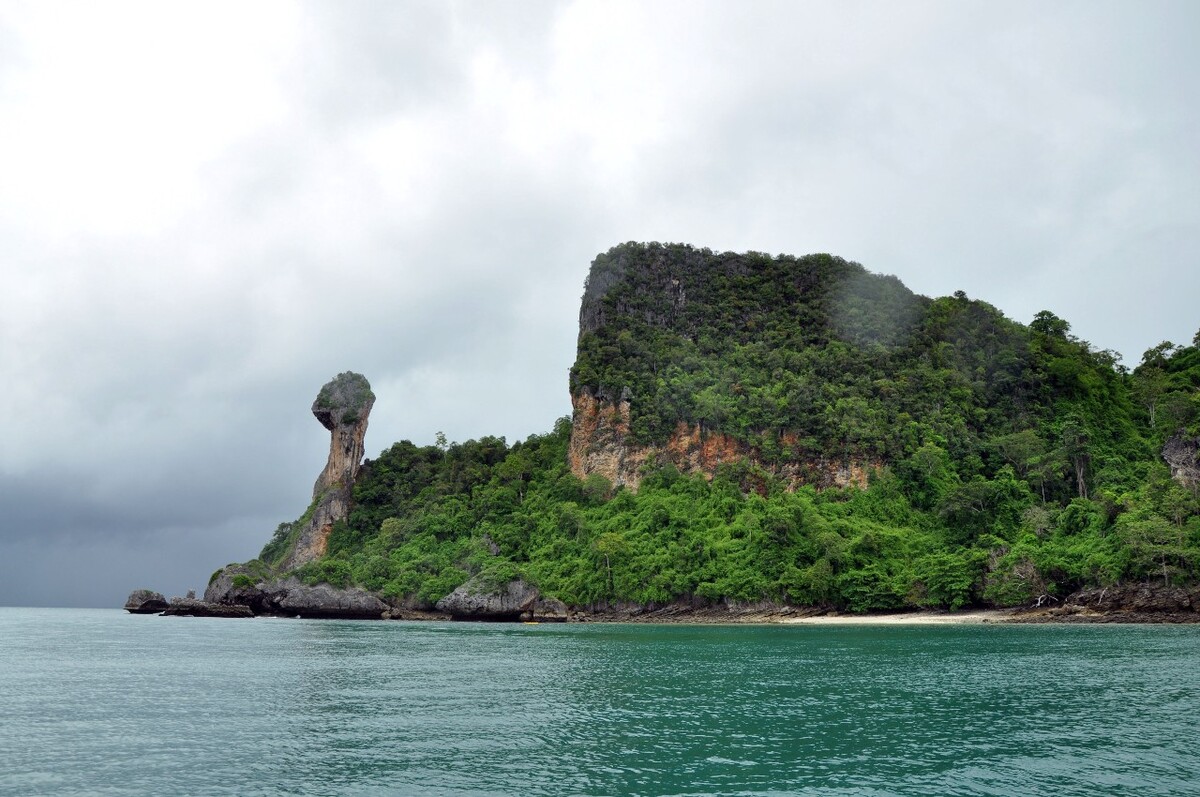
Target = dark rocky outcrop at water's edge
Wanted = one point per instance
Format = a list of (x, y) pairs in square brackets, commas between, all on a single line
[(190, 607), (474, 600), (1138, 598), (516, 600), (1124, 603), (289, 597), (145, 601), (237, 585), (292, 598)]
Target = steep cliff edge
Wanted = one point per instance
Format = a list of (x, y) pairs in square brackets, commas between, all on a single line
[(679, 355)]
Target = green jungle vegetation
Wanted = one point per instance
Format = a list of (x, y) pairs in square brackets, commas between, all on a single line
[(1019, 462)]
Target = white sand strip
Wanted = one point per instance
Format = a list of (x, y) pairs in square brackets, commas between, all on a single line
[(906, 618)]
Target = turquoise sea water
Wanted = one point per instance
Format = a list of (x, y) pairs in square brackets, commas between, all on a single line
[(103, 703)]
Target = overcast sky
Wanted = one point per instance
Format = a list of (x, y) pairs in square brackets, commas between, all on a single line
[(208, 210)]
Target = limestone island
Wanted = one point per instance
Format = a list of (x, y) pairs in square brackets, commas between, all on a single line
[(767, 439)]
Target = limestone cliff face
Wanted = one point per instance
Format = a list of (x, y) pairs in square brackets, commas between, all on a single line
[(1182, 454), (343, 407), (600, 444), (649, 308), (313, 540), (599, 435)]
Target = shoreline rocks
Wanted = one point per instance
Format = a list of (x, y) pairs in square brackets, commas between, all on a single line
[(295, 599), (511, 602), (478, 600), (145, 601), (190, 607), (516, 601), (1122, 603), (236, 585)]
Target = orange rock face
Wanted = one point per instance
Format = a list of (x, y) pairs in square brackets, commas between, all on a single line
[(599, 430), (346, 450), (600, 445)]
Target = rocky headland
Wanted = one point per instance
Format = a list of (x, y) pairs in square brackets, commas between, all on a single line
[(343, 406)]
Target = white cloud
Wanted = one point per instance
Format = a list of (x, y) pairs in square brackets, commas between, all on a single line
[(113, 110)]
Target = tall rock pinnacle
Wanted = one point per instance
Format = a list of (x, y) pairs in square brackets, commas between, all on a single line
[(342, 407)]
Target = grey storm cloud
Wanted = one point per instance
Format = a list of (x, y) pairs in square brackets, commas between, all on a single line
[(204, 218)]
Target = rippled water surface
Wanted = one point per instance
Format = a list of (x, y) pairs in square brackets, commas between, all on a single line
[(104, 703)]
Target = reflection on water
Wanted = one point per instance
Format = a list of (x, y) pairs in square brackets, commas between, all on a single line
[(107, 703)]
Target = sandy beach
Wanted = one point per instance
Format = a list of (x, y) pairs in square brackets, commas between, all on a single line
[(907, 618)]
